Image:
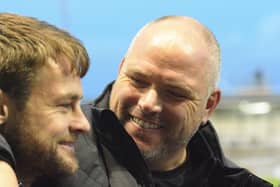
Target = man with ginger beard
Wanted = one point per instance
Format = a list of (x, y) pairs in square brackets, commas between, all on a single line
[(40, 91), (164, 95)]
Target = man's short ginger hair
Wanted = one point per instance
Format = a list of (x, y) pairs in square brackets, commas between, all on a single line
[(26, 45)]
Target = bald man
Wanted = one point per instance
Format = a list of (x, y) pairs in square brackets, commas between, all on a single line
[(164, 95)]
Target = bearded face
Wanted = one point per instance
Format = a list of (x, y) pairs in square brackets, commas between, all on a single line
[(43, 133)]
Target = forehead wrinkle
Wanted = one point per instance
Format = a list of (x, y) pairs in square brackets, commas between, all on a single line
[(170, 50), (132, 66), (170, 40)]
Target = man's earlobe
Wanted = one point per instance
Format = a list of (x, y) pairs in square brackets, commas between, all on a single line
[(3, 108), (211, 105)]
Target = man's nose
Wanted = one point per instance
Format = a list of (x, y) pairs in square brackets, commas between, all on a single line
[(80, 122), (150, 101)]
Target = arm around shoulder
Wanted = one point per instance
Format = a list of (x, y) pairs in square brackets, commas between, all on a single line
[(7, 175)]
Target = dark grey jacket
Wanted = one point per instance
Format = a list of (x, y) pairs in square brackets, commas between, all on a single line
[(6, 152)]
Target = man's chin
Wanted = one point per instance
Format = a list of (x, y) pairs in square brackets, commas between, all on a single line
[(154, 153), (67, 163), (148, 150)]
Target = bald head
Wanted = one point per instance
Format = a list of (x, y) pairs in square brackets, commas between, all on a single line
[(165, 88), (186, 35)]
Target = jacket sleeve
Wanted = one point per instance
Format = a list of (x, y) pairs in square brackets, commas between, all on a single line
[(6, 152), (255, 181), (225, 176)]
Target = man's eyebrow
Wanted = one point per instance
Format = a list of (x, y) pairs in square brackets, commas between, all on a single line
[(137, 73), (70, 96)]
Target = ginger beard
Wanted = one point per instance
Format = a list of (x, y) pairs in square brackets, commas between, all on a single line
[(37, 152)]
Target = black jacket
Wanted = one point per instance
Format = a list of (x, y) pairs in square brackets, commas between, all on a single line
[(218, 171), (6, 154)]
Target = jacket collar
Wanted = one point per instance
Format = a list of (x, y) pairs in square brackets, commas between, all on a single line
[(102, 101)]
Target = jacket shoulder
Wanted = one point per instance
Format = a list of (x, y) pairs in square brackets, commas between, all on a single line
[(225, 172)]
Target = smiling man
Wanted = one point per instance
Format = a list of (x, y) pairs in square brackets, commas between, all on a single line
[(40, 92), (164, 95), (166, 88)]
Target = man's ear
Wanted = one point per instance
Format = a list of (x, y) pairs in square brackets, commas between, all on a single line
[(3, 108), (212, 103)]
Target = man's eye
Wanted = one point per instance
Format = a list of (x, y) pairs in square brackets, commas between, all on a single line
[(176, 95), (66, 106), (139, 83)]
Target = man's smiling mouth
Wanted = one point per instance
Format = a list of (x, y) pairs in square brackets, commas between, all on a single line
[(69, 146), (145, 125)]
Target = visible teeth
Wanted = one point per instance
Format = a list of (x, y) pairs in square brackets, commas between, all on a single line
[(68, 146), (144, 124)]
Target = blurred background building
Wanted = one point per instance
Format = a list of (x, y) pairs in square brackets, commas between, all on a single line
[(248, 125)]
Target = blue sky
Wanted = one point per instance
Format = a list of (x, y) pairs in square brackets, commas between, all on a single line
[(248, 33)]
